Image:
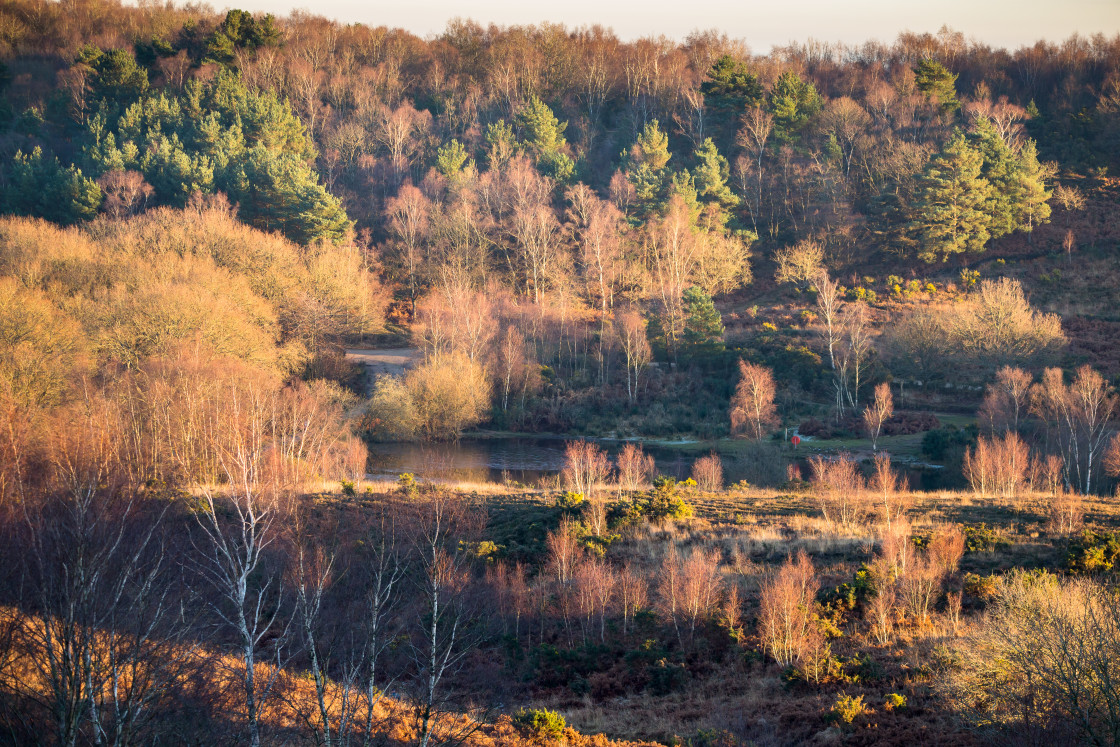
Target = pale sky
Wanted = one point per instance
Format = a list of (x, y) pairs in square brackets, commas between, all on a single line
[(1006, 23)]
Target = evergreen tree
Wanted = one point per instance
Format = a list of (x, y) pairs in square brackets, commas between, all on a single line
[(647, 167), (703, 325), (792, 101), (711, 175), (43, 188), (452, 160), (1001, 169), (113, 74), (729, 91), (1034, 197), (240, 30), (937, 84), (731, 88), (950, 213), (543, 135)]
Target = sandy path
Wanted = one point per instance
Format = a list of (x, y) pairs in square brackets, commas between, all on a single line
[(384, 361)]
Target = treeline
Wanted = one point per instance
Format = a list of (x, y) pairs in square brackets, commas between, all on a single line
[(542, 201)]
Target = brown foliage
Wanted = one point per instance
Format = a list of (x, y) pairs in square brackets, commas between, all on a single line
[(840, 490), (752, 405), (586, 467), (998, 466), (785, 622), (635, 467), (707, 471)]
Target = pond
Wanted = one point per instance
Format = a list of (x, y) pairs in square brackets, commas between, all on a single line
[(527, 459), (522, 459)]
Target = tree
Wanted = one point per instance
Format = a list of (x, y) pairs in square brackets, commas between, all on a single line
[(1045, 656), (630, 328), (1006, 399), (45, 189), (711, 175), (449, 393), (1081, 412), (950, 215), (1034, 203), (792, 101), (126, 193), (785, 619), (452, 160), (635, 467), (445, 631), (646, 167), (707, 471), (877, 412), (758, 125), (938, 84), (543, 135), (703, 325), (237, 531), (752, 405), (409, 219), (800, 263), (586, 467), (690, 588), (730, 88)]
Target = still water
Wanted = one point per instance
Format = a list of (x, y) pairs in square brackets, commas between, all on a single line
[(524, 459)]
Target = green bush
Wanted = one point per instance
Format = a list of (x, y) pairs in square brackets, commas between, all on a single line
[(895, 702), (982, 538), (1094, 552), (348, 487), (847, 709), (540, 723), (981, 587)]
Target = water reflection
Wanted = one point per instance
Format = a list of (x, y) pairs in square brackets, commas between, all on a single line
[(524, 460)]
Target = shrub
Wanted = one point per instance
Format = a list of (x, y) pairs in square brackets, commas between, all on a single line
[(1094, 552), (540, 723), (708, 473), (895, 702), (847, 709), (348, 488), (981, 587), (982, 538)]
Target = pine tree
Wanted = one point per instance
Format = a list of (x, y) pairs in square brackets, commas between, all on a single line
[(1034, 197), (703, 325), (792, 101), (646, 166), (452, 160), (543, 135), (711, 175), (950, 215), (1001, 169), (938, 84)]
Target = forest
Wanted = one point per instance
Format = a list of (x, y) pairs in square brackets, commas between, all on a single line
[(864, 295)]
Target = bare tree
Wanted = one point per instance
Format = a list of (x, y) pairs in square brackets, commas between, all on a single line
[(1081, 413), (635, 467), (785, 620), (878, 412), (840, 490), (238, 527), (752, 405), (586, 467), (757, 126), (446, 633), (708, 473), (630, 329)]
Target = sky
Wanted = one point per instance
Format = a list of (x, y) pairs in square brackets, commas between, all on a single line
[(1003, 23)]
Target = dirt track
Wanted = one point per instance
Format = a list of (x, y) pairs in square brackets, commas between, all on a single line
[(384, 361)]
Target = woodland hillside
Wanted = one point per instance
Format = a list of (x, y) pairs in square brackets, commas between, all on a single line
[(876, 283)]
